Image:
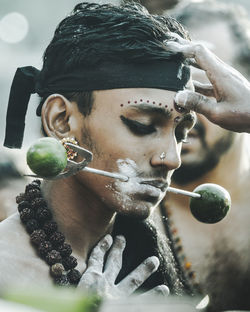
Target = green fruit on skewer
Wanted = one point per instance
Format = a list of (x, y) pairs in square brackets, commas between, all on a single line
[(213, 205), (47, 157)]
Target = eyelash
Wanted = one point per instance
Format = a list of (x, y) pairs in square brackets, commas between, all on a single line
[(141, 129), (137, 127)]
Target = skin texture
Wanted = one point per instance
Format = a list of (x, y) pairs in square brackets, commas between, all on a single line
[(213, 249), (85, 205), (230, 106)]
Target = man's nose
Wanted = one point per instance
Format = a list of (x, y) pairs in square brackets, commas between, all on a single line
[(167, 155)]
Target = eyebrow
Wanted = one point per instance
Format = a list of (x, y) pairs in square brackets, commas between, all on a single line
[(143, 107)]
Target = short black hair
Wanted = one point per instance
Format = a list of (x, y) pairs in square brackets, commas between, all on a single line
[(95, 33)]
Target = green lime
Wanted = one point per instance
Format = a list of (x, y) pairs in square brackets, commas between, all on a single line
[(213, 205), (47, 157)]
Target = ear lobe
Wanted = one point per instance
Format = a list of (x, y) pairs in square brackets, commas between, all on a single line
[(55, 116)]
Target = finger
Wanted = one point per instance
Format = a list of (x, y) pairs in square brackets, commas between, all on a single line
[(96, 259), (204, 57), (197, 102), (205, 89), (162, 290), (137, 277), (215, 68), (185, 48), (192, 62), (177, 37), (114, 260)]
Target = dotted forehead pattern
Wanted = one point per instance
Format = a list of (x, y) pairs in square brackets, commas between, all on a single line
[(145, 101)]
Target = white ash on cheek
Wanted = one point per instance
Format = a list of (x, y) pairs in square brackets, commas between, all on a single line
[(128, 168), (123, 190)]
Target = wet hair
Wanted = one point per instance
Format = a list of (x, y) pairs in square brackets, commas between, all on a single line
[(95, 33), (195, 14)]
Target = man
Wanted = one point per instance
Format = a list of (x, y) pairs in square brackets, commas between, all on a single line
[(108, 82), (219, 252)]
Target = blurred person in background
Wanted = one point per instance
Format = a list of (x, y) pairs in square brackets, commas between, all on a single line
[(11, 182), (219, 252), (159, 6)]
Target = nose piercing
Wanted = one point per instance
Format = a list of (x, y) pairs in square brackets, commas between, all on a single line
[(163, 155)]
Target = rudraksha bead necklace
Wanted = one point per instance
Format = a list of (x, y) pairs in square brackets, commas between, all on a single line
[(45, 237)]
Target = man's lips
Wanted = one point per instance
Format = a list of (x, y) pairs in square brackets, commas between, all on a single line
[(162, 185)]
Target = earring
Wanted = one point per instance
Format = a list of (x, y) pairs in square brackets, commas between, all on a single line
[(70, 153), (162, 156)]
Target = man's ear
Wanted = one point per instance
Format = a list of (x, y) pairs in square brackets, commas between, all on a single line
[(58, 116)]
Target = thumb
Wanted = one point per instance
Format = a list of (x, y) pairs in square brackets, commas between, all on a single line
[(195, 101)]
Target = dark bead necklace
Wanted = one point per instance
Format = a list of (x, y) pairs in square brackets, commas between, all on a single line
[(45, 237), (184, 266)]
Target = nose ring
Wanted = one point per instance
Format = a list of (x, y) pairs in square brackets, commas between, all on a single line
[(162, 156)]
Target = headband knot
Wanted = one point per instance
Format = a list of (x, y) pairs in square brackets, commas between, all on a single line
[(23, 85)]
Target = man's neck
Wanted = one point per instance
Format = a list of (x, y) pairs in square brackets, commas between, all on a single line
[(232, 172), (80, 216)]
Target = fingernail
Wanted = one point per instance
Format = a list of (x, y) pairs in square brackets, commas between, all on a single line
[(163, 289), (106, 242), (181, 98), (121, 238), (153, 263)]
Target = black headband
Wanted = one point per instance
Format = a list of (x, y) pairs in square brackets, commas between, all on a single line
[(163, 74)]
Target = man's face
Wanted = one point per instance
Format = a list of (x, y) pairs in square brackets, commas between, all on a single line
[(127, 131), (207, 143)]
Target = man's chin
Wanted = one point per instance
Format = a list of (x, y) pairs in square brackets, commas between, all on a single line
[(138, 209)]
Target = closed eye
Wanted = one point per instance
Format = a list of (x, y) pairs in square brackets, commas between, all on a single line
[(137, 127)]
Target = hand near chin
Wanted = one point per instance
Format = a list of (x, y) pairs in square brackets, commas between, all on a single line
[(100, 279), (226, 101)]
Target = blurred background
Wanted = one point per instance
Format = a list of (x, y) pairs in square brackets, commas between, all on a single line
[(26, 28)]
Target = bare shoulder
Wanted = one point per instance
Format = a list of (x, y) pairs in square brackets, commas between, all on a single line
[(19, 262)]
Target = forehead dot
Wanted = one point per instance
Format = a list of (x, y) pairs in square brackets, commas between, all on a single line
[(141, 100), (153, 102), (147, 101), (128, 102), (135, 102), (121, 105)]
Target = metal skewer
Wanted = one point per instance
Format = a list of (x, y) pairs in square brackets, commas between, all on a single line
[(74, 167), (106, 174), (182, 192)]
